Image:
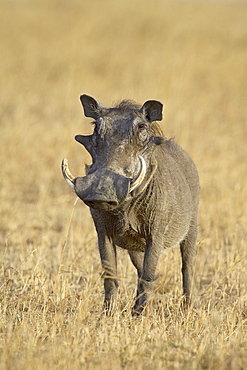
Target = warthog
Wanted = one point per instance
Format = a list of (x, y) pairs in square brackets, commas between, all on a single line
[(142, 190)]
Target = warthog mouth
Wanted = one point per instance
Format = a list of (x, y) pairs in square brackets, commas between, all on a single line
[(134, 183)]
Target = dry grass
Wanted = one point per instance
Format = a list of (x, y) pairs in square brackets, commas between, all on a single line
[(191, 56)]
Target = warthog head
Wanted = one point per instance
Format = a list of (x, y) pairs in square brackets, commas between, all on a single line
[(121, 148)]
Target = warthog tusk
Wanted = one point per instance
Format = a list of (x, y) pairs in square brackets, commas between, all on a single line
[(67, 174), (137, 182)]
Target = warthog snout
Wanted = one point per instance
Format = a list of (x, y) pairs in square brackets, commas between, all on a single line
[(102, 189)]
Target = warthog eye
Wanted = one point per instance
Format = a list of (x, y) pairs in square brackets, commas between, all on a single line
[(141, 126), (142, 131)]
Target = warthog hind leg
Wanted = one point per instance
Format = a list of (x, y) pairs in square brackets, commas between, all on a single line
[(188, 250), (145, 264)]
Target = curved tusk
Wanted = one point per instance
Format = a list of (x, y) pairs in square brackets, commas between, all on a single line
[(67, 174), (137, 182)]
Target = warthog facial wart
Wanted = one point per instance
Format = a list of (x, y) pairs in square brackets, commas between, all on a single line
[(142, 190)]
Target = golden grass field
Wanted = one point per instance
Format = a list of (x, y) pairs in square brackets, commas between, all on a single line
[(192, 56)]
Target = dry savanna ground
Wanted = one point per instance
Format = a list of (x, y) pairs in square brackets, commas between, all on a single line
[(192, 56)]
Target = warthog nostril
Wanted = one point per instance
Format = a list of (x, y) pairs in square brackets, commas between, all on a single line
[(112, 203), (89, 203)]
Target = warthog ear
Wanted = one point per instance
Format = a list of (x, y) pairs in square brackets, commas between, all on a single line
[(152, 110), (92, 108)]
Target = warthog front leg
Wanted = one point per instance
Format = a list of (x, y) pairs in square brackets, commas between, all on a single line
[(146, 267), (137, 260), (109, 263), (108, 256)]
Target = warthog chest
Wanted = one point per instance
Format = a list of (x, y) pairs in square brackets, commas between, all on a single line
[(127, 230), (131, 240)]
